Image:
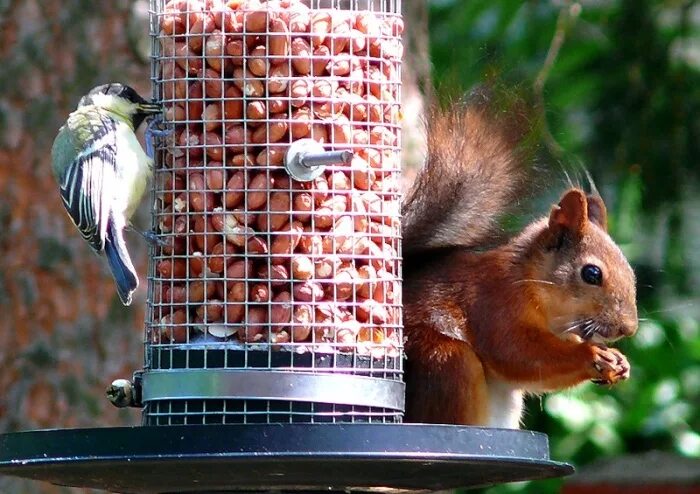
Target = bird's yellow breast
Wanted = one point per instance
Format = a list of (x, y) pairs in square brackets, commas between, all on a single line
[(135, 171)]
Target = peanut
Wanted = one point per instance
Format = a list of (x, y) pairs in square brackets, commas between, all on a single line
[(299, 19), (256, 246), (281, 309), (302, 205), (278, 207), (215, 176), (213, 83), (326, 267), (240, 270), (248, 83), (302, 319), (278, 78), (279, 41), (256, 21), (301, 123), (311, 244), (260, 292), (214, 146), (307, 291), (277, 273), (211, 311), (172, 268), (199, 198), (234, 193), (301, 56), (236, 137), (196, 264), (271, 156), (302, 268), (285, 241), (257, 190), (173, 327), (278, 105), (319, 61), (256, 110), (257, 63), (203, 235), (299, 91), (216, 260), (214, 50), (272, 132), (233, 103), (320, 27)]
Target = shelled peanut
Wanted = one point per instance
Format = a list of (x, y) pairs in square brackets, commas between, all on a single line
[(250, 253)]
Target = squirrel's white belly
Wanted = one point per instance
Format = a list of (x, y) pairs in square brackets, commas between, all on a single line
[(505, 404)]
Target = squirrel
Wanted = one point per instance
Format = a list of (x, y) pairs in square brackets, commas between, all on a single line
[(486, 322)]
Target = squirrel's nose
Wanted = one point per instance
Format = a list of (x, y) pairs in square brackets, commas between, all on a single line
[(628, 325)]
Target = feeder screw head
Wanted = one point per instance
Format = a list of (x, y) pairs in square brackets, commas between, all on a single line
[(306, 159), (121, 393)]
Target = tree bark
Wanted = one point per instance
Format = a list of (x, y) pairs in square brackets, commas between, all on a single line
[(64, 336), (416, 85)]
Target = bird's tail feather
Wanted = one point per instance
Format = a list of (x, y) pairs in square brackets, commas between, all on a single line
[(120, 263)]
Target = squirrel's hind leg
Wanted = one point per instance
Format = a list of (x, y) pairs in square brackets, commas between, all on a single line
[(446, 385)]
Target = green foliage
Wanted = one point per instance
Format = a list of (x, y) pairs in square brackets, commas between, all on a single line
[(621, 97)]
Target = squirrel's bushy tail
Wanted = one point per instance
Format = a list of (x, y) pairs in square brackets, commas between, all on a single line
[(475, 170)]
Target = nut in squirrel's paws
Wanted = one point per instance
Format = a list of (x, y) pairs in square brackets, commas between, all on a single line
[(610, 365)]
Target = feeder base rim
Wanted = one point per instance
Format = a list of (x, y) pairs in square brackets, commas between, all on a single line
[(381, 458)]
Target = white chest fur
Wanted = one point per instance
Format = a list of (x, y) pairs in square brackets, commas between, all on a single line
[(505, 404)]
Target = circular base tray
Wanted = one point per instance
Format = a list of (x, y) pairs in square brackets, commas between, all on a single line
[(311, 457)]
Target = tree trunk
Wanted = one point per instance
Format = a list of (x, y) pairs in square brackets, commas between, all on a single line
[(417, 85), (64, 335)]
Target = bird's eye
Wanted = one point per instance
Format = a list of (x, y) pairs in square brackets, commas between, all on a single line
[(592, 274)]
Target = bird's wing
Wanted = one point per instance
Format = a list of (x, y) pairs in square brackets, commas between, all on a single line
[(86, 180)]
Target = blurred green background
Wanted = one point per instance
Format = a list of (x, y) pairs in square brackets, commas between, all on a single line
[(619, 84)]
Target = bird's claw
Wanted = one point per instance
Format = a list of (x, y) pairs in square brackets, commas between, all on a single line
[(156, 128), (149, 235), (152, 238)]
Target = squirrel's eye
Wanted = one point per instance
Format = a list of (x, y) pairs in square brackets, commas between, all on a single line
[(592, 274)]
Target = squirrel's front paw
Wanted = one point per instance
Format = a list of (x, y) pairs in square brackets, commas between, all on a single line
[(609, 365)]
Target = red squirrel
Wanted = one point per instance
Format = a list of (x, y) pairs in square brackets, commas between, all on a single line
[(485, 324)]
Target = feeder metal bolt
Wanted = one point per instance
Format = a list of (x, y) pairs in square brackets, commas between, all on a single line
[(306, 159), (121, 393)]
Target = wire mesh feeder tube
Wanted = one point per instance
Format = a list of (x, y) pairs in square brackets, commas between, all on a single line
[(276, 297)]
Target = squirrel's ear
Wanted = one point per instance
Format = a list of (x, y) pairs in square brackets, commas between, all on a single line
[(571, 213), (597, 212)]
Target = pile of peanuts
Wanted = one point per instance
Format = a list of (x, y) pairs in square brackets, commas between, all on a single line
[(248, 253)]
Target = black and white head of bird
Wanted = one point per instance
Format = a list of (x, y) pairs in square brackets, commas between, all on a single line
[(121, 99)]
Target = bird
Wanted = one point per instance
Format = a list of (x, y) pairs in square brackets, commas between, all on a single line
[(102, 173)]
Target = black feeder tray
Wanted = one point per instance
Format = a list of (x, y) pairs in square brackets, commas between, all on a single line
[(386, 458)]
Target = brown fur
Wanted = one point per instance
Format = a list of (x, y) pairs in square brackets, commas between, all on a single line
[(506, 315), (468, 146)]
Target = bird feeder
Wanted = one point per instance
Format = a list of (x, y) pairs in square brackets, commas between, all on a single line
[(273, 332), (275, 295)]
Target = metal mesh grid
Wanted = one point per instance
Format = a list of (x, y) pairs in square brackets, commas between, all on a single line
[(197, 412), (258, 270)]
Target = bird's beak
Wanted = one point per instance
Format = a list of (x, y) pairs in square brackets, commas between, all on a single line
[(150, 108)]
